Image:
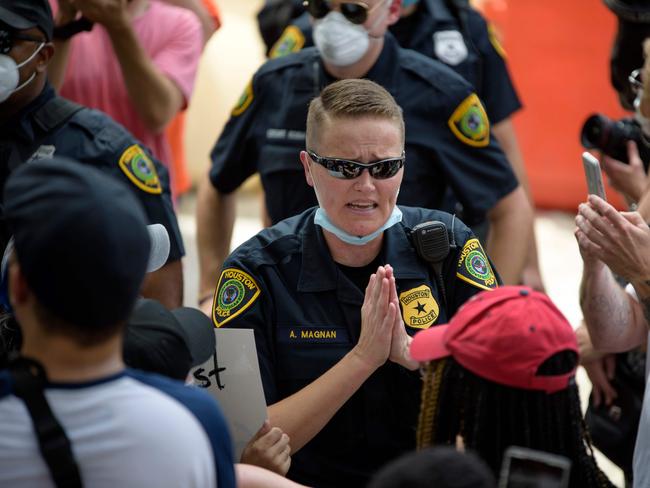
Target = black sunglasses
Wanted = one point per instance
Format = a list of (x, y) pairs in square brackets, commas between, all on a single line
[(7, 39), (347, 169), (355, 12)]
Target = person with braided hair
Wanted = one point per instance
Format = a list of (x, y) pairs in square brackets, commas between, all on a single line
[(502, 373)]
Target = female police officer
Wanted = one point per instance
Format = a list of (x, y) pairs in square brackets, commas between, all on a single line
[(335, 293)]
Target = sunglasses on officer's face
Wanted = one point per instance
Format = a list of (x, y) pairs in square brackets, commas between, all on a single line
[(346, 169), (7, 39), (355, 12)]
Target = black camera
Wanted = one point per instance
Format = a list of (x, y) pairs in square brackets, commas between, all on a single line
[(611, 136)]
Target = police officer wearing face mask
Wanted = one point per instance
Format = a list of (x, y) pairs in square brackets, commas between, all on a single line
[(35, 124), (448, 140), (448, 31), (452, 32)]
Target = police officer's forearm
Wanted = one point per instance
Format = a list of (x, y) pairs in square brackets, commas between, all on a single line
[(504, 132), (508, 240), (302, 415), (215, 219), (165, 285), (615, 322), (155, 97)]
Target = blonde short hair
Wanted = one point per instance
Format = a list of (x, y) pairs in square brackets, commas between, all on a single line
[(353, 98)]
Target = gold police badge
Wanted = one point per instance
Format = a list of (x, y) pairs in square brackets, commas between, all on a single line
[(236, 291), (419, 309), (470, 123), (139, 168)]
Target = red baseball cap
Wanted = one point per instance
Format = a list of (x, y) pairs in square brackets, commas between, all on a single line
[(503, 336)]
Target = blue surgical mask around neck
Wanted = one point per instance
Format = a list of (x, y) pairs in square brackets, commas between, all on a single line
[(408, 3), (321, 218)]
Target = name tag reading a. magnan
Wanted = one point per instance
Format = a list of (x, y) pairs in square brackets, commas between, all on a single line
[(333, 335)]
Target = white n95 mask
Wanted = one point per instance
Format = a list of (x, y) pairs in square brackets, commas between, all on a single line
[(9, 74), (339, 41)]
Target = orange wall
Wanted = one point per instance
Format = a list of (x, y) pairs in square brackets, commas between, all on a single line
[(558, 53)]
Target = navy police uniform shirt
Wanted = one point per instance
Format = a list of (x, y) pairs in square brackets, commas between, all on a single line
[(473, 51), (448, 141), (92, 137), (306, 315)]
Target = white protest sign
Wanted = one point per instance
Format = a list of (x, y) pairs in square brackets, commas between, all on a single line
[(232, 376)]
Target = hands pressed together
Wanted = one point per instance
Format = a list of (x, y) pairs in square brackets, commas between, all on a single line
[(383, 335)]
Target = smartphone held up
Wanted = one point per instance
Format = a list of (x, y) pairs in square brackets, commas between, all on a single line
[(594, 175)]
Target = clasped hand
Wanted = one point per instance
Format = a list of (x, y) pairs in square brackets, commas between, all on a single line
[(383, 335)]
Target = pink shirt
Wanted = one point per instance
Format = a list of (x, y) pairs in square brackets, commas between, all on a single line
[(172, 38)]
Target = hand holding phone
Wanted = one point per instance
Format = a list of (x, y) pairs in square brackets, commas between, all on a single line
[(594, 175)]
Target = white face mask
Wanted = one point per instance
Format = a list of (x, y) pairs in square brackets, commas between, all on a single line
[(322, 219), (9, 74), (339, 41)]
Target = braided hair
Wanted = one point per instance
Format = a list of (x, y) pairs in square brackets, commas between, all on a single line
[(491, 417)]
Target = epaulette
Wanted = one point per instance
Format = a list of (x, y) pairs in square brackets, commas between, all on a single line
[(299, 58), (101, 128), (276, 243)]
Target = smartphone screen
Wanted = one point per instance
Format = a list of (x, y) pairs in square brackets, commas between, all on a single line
[(533, 473), (528, 468)]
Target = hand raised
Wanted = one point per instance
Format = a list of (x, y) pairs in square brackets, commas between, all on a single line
[(377, 318), (400, 340)]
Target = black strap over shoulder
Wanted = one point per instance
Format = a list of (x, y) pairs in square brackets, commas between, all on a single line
[(47, 118), (53, 114), (29, 380)]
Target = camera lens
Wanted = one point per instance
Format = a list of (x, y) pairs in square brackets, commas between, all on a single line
[(595, 132)]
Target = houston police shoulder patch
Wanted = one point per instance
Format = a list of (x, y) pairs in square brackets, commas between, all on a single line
[(236, 291), (470, 123), (419, 309), (292, 40), (494, 40), (244, 101), (139, 168), (474, 266)]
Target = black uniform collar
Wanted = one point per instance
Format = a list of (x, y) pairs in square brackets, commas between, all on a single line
[(21, 124), (318, 271), (384, 71)]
